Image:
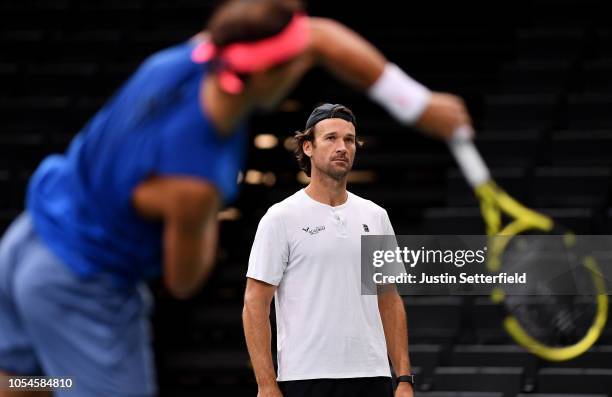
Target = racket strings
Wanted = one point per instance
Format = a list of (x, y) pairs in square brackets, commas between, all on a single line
[(545, 308), (555, 320)]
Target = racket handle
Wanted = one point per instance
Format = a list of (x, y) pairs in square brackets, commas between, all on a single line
[(467, 156)]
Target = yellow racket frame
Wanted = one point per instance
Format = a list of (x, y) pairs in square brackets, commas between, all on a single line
[(494, 202)]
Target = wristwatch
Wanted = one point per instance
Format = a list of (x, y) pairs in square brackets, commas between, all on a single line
[(406, 378)]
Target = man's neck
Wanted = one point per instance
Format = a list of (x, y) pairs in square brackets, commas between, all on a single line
[(327, 190), (226, 111)]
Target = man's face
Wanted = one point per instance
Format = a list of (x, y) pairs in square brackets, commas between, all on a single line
[(333, 150)]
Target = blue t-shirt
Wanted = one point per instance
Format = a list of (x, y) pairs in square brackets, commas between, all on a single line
[(80, 202)]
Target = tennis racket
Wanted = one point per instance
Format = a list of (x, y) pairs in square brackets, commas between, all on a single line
[(555, 327)]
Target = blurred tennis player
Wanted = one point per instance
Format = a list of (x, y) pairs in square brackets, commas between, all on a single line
[(307, 250), (137, 193)]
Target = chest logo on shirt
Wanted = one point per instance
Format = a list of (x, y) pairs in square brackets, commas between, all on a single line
[(313, 230), (366, 228)]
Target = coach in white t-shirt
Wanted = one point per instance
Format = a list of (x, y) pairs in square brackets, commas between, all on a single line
[(332, 340)]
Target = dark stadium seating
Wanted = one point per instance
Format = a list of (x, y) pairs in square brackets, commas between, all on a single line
[(604, 42), (596, 75), (596, 357), (574, 380), (426, 356), (589, 110), (487, 320), (5, 187), (575, 147), (559, 395), (535, 76), (511, 178), (20, 150), (457, 394), (520, 111), (509, 147), (427, 326), (492, 355), (505, 379), (549, 43), (453, 220), (589, 186), (539, 88)]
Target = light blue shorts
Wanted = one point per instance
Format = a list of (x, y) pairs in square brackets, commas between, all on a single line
[(55, 324)]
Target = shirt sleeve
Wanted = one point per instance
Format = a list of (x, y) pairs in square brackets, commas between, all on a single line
[(270, 250), (394, 268), (199, 153), (387, 228)]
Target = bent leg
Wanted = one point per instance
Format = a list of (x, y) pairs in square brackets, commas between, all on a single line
[(89, 330), (17, 356)]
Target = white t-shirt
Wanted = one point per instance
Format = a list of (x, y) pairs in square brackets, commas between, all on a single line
[(325, 327)]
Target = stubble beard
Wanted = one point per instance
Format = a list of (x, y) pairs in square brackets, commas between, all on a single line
[(335, 174)]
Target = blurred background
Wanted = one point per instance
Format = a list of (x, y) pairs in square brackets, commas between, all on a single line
[(537, 78)]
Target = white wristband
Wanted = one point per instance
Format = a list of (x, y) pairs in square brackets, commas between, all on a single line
[(402, 96)]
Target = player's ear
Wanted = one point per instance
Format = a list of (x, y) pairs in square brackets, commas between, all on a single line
[(307, 148)]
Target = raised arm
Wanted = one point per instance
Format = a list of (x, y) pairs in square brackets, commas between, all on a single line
[(345, 54), (357, 62)]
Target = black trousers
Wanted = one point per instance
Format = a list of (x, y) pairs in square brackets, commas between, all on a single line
[(350, 387)]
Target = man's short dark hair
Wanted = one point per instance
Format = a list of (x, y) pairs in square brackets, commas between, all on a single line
[(320, 113)]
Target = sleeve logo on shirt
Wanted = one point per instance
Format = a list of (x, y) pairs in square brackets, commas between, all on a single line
[(366, 228), (313, 230)]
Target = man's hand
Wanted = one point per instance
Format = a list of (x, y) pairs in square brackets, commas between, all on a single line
[(404, 389), (443, 115), (270, 391)]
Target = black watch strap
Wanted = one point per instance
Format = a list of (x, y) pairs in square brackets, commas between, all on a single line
[(406, 378)]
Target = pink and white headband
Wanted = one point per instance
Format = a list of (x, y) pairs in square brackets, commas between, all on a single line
[(249, 57)]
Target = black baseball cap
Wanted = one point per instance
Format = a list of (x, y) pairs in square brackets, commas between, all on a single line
[(330, 111)]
